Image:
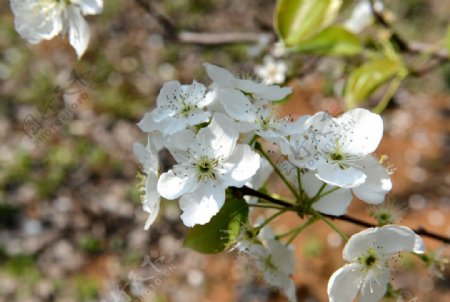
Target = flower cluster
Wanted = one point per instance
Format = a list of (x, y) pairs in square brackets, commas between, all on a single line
[(214, 134), (37, 20)]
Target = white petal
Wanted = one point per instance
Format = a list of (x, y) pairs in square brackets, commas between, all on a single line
[(275, 93), (179, 142), (237, 105), (197, 117), (344, 284), (170, 126), (171, 185), (419, 245), (195, 94), (91, 7), (167, 92), (147, 124), (219, 137), (261, 176), (202, 204), (220, 75), (344, 178), (152, 199), (147, 156), (375, 286), (33, 24), (282, 256), (386, 240), (79, 33), (377, 184), (241, 166), (366, 130), (335, 203)]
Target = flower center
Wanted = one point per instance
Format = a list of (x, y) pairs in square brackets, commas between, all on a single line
[(206, 168), (369, 260)]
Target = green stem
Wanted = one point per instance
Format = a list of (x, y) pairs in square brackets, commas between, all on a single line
[(317, 196), (393, 86), (278, 171), (329, 192), (333, 226), (253, 139), (298, 230), (271, 218)]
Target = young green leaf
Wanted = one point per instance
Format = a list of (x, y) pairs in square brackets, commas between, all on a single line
[(367, 78), (223, 229), (334, 40), (298, 20), (447, 40)]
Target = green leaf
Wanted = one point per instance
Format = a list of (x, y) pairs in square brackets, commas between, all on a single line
[(334, 40), (298, 20), (447, 40), (368, 77), (223, 229)]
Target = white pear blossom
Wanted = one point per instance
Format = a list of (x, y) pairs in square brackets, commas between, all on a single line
[(210, 162), (148, 157), (178, 107), (272, 72), (362, 15), (255, 116), (274, 260), (338, 149), (368, 253), (37, 20), (259, 92)]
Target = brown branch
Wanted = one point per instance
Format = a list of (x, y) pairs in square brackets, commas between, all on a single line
[(413, 48), (419, 231), (172, 33), (252, 192), (223, 38), (168, 26)]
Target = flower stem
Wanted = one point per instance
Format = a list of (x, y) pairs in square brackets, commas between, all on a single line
[(333, 226), (278, 171), (271, 218), (329, 192), (298, 230)]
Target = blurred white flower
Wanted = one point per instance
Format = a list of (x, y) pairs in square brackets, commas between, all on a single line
[(273, 259), (272, 72), (362, 15), (279, 49), (37, 20), (368, 253)]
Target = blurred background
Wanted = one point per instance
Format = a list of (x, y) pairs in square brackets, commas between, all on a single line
[(71, 222)]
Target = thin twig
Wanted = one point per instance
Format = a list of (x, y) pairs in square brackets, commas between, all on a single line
[(168, 26), (252, 192), (223, 38), (419, 231), (403, 45)]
